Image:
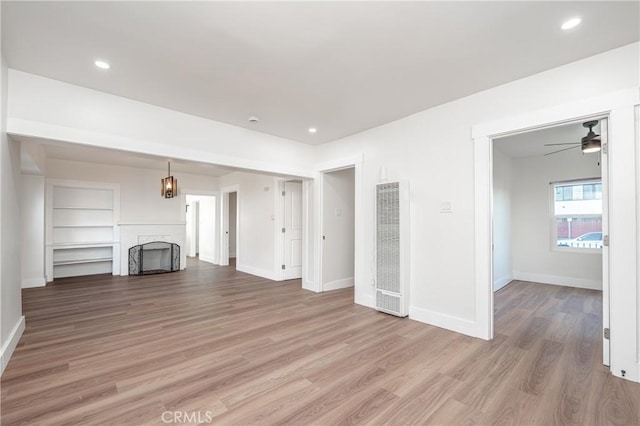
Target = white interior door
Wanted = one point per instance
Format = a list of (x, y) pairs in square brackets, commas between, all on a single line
[(224, 229), (292, 227), (604, 165)]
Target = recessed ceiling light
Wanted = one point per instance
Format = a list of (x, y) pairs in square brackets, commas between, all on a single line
[(571, 23), (253, 119), (102, 64), (312, 130)]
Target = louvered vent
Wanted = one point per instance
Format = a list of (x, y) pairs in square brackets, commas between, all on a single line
[(391, 243), (387, 303), (388, 237)]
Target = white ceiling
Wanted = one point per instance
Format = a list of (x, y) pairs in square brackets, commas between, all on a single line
[(342, 67), (532, 143)]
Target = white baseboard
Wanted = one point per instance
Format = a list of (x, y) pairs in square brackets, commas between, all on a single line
[(338, 284), (558, 280), (310, 285), (501, 282), (34, 282), (209, 259), (264, 273), (449, 322), (10, 345), (364, 299)]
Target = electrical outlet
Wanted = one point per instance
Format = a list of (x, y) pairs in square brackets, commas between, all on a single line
[(446, 207)]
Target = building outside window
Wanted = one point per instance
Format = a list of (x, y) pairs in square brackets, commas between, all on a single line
[(577, 214)]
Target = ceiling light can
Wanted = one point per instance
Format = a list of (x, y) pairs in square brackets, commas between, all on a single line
[(571, 23), (102, 64)]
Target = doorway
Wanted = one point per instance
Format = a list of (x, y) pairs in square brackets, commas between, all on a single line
[(233, 226), (620, 109), (338, 229), (230, 205), (549, 196), (200, 218), (292, 229), (549, 217)]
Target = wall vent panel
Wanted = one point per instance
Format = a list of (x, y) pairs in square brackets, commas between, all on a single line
[(392, 238)]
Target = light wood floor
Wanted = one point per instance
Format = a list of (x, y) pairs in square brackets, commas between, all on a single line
[(238, 350)]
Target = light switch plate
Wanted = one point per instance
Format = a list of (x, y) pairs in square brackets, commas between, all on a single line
[(446, 207)]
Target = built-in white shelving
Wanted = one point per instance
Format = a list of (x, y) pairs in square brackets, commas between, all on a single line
[(82, 232)]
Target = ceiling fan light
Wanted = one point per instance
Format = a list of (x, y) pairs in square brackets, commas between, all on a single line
[(591, 146)]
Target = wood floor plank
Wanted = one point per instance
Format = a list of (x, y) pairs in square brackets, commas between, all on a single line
[(242, 350)]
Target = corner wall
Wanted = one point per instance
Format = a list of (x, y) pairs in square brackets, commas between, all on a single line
[(339, 229), (257, 223), (502, 224), (33, 230), (11, 320)]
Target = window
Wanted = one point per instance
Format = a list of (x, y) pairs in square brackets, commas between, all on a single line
[(577, 214), (576, 192)]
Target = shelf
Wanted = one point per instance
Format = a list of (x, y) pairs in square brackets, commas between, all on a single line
[(78, 261), (153, 224), (83, 208), (58, 246), (83, 226)]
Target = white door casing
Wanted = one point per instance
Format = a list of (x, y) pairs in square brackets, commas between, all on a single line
[(604, 169), (624, 297)]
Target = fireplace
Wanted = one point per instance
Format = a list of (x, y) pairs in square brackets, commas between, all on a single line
[(156, 257)]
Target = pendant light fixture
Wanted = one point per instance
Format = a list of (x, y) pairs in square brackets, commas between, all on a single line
[(169, 188)]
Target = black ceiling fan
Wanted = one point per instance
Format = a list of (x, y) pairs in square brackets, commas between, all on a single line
[(590, 143)]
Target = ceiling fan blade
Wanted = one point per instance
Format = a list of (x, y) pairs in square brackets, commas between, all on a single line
[(565, 149), (568, 143)]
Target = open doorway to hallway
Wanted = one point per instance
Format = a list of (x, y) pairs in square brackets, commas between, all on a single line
[(338, 229), (200, 227)]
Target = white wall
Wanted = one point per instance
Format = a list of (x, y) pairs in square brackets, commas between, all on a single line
[(502, 237), (191, 225), (257, 223), (142, 210), (49, 109), (33, 230), (637, 124), (533, 258), (434, 150), (309, 245), (140, 200), (233, 218), (339, 229), (207, 229), (11, 319)]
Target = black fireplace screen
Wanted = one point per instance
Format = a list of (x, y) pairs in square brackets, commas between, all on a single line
[(154, 258)]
